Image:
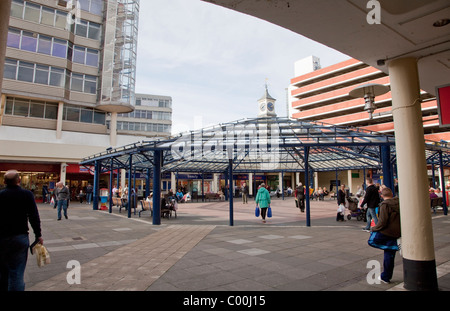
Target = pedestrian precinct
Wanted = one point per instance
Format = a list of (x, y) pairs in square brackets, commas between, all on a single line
[(372, 199), (388, 228), (17, 208), (263, 201), (62, 196)]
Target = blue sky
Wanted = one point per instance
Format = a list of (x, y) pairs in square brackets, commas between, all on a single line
[(214, 62)]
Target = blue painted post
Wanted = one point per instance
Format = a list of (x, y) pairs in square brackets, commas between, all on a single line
[(157, 187), (147, 184), (444, 195), (230, 182), (308, 214), (130, 176), (282, 185), (111, 178), (387, 167), (95, 191)]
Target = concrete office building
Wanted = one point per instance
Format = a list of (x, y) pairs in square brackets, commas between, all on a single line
[(69, 67), (152, 117)]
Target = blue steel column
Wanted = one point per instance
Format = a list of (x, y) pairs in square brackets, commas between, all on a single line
[(130, 171), (387, 167), (96, 185), (111, 178), (147, 184), (157, 187), (444, 195), (230, 182), (308, 216)]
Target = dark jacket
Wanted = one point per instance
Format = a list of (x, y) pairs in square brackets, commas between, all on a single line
[(341, 197), (372, 198), (389, 218), (17, 207)]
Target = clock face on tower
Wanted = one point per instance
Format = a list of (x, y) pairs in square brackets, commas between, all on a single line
[(270, 106), (262, 107)]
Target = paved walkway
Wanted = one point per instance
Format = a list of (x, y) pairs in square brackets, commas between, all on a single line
[(199, 251)]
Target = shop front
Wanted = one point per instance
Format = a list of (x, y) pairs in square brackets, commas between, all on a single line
[(39, 178)]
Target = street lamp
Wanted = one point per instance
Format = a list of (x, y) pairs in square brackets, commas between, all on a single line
[(368, 92)]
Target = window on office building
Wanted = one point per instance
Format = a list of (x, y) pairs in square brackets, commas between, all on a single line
[(31, 108), (32, 12)]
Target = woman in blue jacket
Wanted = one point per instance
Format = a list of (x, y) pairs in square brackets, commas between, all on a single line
[(263, 200)]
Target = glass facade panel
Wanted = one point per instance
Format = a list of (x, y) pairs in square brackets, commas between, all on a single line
[(32, 12), (72, 114), (81, 28), (59, 48), (76, 83), (41, 75), (61, 19), (94, 31), (25, 71), (99, 117), (21, 108), (13, 38), (45, 45), (51, 111), (48, 16), (10, 69), (92, 58), (29, 41), (97, 7), (37, 109), (79, 55), (56, 77), (90, 84), (86, 115), (17, 8)]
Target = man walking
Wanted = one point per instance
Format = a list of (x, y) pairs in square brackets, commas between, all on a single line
[(17, 208), (62, 195), (372, 199)]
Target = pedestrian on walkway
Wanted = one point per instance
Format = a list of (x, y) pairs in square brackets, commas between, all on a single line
[(62, 195), (301, 197), (263, 201), (388, 228), (372, 199), (17, 208), (244, 191)]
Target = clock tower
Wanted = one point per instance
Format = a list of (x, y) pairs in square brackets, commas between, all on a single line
[(266, 106)]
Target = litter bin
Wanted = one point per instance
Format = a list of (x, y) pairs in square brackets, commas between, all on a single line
[(103, 199)]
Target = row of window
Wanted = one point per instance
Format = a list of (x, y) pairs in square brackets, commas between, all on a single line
[(144, 114), (32, 42), (152, 102), (49, 75), (59, 19), (143, 127), (45, 110)]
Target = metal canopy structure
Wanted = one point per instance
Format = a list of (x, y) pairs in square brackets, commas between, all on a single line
[(260, 145)]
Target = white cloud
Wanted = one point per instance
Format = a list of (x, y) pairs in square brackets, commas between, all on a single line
[(214, 61)]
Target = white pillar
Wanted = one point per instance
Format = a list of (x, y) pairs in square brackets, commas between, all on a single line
[(113, 129), (59, 120), (297, 178), (419, 266), (123, 173), (250, 184), (350, 181), (316, 180), (173, 182)]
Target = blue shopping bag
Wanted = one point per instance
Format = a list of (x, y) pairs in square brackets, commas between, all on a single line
[(269, 212), (257, 211), (381, 241)]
